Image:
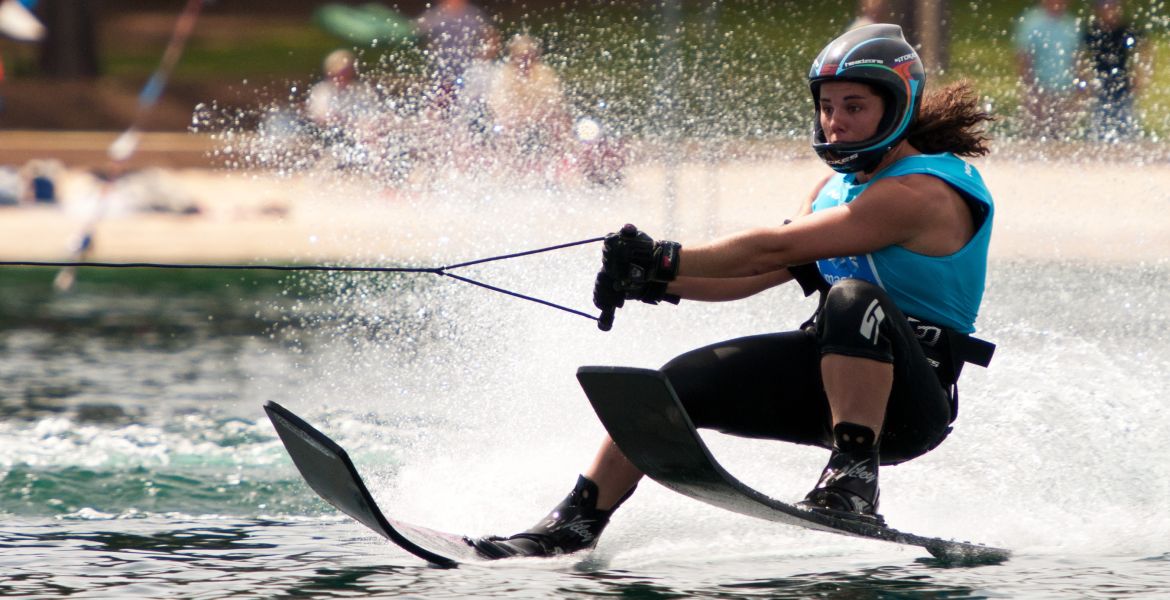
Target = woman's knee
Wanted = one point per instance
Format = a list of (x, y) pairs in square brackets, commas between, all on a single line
[(855, 321), (846, 294)]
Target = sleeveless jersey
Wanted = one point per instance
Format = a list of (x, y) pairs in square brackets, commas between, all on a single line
[(943, 290)]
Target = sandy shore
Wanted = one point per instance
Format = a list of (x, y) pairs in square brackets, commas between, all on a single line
[(1093, 211)]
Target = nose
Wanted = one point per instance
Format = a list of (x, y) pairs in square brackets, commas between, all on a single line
[(834, 124)]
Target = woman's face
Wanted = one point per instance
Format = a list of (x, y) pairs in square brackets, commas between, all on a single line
[(849, 111)]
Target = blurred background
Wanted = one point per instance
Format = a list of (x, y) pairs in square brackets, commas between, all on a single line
[(709, 70), (126, 108)]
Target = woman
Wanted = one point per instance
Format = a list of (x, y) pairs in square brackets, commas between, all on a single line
[(896, 244)]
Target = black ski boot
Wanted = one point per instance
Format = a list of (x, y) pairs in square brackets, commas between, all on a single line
[(573, 525), (848, 487)]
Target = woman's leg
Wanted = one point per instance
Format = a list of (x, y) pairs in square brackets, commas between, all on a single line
[(613, 474), (874, 372), (762, 386), (858, 389)]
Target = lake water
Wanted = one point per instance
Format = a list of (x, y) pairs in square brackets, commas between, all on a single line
[(136, 461)]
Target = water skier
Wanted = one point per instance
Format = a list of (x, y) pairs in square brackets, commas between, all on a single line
[(896, 246)]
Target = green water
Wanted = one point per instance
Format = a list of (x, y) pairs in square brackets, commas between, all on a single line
[(135, 460)]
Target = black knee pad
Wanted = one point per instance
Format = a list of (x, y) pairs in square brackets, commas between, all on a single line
[(855, 320)]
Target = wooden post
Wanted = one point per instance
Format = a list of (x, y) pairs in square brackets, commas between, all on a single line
[(930, 18)]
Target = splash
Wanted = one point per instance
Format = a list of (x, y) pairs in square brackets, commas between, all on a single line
[(699, 100)]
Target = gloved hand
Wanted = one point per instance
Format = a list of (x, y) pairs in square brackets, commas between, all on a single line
[(608, 298), (606, 294), (640, 267)]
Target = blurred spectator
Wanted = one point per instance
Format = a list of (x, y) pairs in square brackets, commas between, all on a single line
[(1046, 40), (40, 181), (527, 103), (113, 191), (477, 83), (333, 101), (455, 33), (343, 109), (34, 184), (1115, 77)]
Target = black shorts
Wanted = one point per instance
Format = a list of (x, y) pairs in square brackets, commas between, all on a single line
[(769, 386)]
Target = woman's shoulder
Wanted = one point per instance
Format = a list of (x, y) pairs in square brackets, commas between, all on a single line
[(941, 164), (944, 170), (916, 183)]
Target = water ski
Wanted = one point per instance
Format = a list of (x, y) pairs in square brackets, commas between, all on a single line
[(643, 415), (328, 470)]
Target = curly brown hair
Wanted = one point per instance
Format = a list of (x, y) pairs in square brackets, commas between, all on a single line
[(951, 120)]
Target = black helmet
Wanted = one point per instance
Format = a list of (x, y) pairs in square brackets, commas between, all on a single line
[(877, 55)]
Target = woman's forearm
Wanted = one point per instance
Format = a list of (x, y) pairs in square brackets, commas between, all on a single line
[(745, 254), (722, 289)]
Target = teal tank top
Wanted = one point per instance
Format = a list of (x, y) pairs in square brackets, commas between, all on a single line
[(944, 290)]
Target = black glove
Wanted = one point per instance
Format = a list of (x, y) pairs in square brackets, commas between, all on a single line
[(640, 267), (606, 294)]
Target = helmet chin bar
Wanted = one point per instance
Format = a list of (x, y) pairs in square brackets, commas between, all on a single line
[(851, 157), (833, 159), (858, 166)]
